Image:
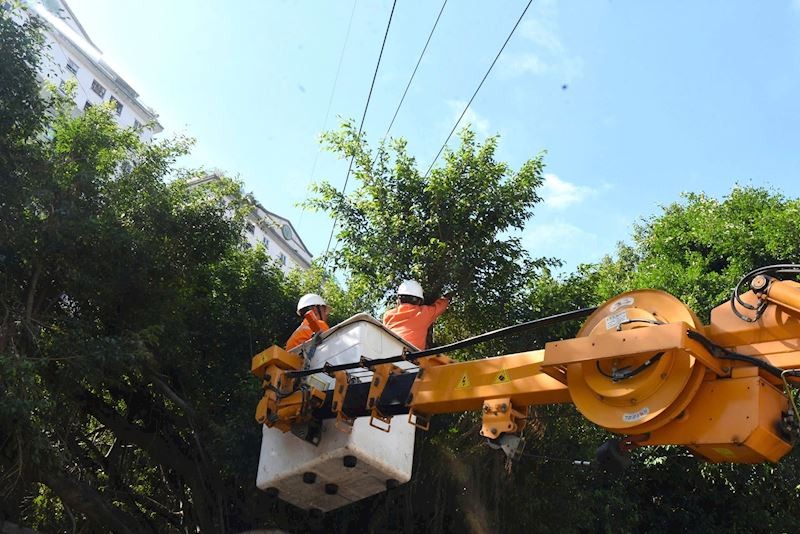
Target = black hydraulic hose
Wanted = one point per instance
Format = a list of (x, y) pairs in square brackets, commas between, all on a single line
[(444, 349), (719, 351), (773, 270)]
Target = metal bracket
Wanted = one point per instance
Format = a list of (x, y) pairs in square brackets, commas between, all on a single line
[(380, 377), (421, 421), (511, 444), (343, 421), (499, 417)]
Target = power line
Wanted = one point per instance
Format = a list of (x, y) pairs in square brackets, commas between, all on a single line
[(330, 102), (363, 116), (478, 88), (405, 92)]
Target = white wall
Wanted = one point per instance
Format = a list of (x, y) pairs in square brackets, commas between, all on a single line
[(60, 49), (290, 254)]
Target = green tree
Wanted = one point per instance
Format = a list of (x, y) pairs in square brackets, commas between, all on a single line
[(130, 308), (452, 230)]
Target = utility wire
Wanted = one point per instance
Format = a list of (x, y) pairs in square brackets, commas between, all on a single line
[(365, 363), (330, 103), (424, 49), (478, 88), (363, 116)]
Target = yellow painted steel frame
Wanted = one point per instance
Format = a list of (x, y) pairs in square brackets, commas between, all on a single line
[(679, 393), (466, 386), (634, 369), (282, 405), (380, 377)]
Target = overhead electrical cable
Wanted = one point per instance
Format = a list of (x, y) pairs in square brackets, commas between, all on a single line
[(330, 103), (363, 116), (478, 88), (408, 85)]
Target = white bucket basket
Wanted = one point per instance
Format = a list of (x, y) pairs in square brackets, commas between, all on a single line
[(344, 467)]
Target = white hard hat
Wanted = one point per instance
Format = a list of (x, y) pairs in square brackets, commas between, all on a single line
[(410, 288), (309, 299)]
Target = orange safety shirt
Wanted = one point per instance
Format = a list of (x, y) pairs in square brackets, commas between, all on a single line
[(411, 322), (304, 332)]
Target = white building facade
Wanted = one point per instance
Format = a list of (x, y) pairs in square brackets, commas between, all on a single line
[(273, 232), (71, 55), (277, 235)]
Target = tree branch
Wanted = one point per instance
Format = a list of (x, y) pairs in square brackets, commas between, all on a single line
[(163, 451), (82, 497)]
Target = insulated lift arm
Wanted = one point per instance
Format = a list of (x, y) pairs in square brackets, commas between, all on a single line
[(642, 366)]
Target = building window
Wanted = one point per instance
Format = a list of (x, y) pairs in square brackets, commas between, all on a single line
[(137, 125), (251, 228), (282, 259), (87, 105), (62, 87), (99, 89), (117, 105), (72, 66), (265, 241)]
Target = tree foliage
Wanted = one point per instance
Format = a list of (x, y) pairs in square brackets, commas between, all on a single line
[(452, 230), (130, 309)]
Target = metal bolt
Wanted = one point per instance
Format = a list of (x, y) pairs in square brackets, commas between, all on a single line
[(331, 489), (758, 283), (309, 477), (376, 381), (494, 431), (349, 461), (503, 408)]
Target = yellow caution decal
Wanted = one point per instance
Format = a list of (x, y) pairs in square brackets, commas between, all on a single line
[(463, 382), (502, 377)]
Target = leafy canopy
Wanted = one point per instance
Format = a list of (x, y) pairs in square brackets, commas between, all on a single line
[(453, 230)]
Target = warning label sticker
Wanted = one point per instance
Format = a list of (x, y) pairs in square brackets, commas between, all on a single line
[(502, 377), (635, 416), (613, 321), (624, 302), (463, 382)]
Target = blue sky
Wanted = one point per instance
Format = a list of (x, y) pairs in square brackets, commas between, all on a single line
[(660, 98)]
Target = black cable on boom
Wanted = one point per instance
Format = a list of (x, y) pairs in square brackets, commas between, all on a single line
[(478, 88), (363, 116), (444, 349)]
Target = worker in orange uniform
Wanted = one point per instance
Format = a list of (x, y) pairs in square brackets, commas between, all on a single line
[(411, 319), (314, 311)]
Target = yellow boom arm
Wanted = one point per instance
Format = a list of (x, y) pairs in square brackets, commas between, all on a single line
[(642, 366)]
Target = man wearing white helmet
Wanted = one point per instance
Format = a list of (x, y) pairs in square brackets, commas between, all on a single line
[(314, 311), (411, 319)]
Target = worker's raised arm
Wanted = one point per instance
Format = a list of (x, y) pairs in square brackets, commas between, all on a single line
[(433, 311)]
